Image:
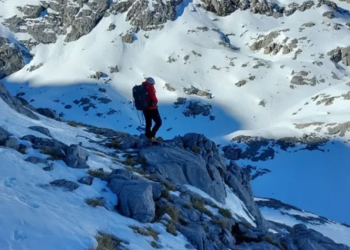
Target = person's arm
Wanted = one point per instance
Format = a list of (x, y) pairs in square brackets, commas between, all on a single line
[(152, 95)]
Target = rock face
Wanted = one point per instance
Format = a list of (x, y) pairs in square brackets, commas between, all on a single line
[(14, 103), (270, 47), (187, 169), (195, 108), (11, 59), (340, 54), (239, 181)]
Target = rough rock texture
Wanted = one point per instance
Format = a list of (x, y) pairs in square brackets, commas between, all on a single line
[(51, 147), (76, 157), (188, 168), (81, 18), (340, 54), (14, 103), (195, 108), (270, 47), (329, 14), (239, 181), (340, 129), (128, 38), (11, 58), (135, 197)]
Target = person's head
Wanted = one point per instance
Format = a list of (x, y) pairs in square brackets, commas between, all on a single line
[(150, 80)]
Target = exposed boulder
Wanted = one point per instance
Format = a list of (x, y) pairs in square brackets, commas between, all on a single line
[(32, 11), (195, 108), (128, 38), (65, 185), (329, 14), (196, 235), (76, 157), (135, 197), (47, 112), (87, 180), (340, 54), (42, 130), (241, 83)]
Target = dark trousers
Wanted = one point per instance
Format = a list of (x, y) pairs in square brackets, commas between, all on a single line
[(152, 114)]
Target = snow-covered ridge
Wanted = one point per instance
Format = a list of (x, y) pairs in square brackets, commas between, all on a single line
[(287, 215)]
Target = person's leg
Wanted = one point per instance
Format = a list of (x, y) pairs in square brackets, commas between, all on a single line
[(148, 119), (158, 122)]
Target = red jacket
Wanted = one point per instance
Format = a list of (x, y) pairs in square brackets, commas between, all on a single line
[(151, 95)]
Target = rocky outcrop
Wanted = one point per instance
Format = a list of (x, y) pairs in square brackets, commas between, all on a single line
[(80, 18), (340, 54), (301, 78), (270, 47), (189, 168), (11, 58), (47, 112), (14, 103), (42, 130), (239, 180), (262, 149), (195, 108)]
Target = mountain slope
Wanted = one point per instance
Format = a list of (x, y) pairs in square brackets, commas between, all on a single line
[(215, 65)]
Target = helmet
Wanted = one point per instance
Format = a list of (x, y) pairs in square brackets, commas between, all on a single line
[(150, 80)]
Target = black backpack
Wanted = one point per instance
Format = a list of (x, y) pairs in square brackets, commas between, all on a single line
[(140, 97)]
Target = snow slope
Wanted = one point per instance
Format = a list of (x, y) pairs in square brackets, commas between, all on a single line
[(266, 105), (35, 215), (340, 233)]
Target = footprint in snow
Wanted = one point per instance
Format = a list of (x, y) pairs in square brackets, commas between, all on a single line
[(10, 182), (19, 235)]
